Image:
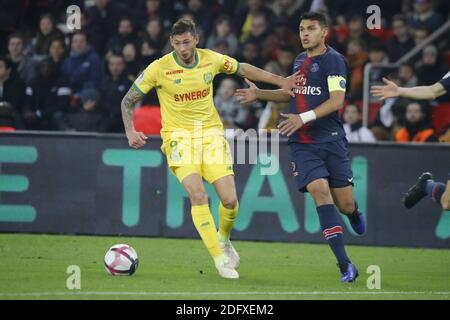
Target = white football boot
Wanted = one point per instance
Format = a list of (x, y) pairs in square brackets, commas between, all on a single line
[(226, 270), (230, 252)]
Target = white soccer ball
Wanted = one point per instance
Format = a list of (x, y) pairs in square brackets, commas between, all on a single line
[(121, 260)]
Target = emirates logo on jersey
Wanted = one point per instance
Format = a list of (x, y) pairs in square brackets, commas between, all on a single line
[(307, 90)]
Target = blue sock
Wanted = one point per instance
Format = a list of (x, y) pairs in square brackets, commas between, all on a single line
[(333, 231), (435, 190)]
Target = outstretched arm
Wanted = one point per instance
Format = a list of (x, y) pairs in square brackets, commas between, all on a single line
[(253, 93), (391, 90), (135, 139), (256, 74)]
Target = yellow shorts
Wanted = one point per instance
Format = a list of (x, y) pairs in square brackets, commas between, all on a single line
[(210, 157)]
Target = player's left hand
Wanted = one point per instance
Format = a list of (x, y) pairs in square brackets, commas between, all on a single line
[(249, 95), (290, 83), (291, 124)]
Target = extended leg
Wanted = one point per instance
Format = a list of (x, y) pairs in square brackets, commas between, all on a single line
[(331, 228)]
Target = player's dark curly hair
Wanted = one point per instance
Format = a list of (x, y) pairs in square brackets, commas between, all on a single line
[(316, 16), (183, 25)]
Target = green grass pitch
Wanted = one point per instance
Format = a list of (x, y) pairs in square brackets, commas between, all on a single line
[(34, 267)]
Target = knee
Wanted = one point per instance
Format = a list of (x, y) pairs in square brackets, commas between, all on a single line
[(198, 198), (321, 195), (230, 203), (347, 207)]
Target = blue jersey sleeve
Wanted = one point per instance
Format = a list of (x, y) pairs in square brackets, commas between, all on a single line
[(336, 66), (446, 82), (336, 72)]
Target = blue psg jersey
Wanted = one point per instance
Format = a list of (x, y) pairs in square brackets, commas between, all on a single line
[(446, 82), (320, 75)]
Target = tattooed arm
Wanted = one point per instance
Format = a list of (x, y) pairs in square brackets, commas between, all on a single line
[(135, 139)]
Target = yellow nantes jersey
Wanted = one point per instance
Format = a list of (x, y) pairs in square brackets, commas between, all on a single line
[(186, 93)]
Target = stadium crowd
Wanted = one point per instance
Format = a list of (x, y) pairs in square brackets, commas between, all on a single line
[(54, 79)]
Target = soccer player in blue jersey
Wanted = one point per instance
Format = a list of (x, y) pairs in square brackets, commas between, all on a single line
[(319, 149), (425, 184)]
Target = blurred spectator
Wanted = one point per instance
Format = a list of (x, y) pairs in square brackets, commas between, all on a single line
[(283, 66), (47, 98), (429, 68), (125, 34), (57, 51), (47, 32), (201, 14), (245, 15), (223, 33), (103, 18), (425, 14), (391, 115), (354, 130), (420, 34), (22, 64), (158, 9), (270, 115), (222, 48), (83, 66), (282, 36), (8, 12), (356, 58), (132, 61), (251, 53), (407, 75), (113, 89), (417, 124), (378, 56), (358, 31), (89, 117), (12, 88), (261, 33), (232, 113), (226, 7), (154, 41), (402, 42), (346, 8), (290, 11), (286, 58)]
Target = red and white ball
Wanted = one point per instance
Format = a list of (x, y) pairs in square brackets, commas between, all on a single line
[(121, 260)]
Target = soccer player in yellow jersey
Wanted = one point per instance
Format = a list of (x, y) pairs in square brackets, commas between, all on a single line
[(192, 132)]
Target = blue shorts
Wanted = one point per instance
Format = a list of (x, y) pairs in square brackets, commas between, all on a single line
[(329, 160)]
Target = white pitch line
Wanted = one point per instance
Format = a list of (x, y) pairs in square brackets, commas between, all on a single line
[(299, 293)]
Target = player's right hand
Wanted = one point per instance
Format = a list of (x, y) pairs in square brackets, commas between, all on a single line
[(390, 90), (247, 95), (136, 139)]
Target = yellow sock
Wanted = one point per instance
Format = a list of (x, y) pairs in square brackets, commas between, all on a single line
[(204, 223), (227, 217)]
